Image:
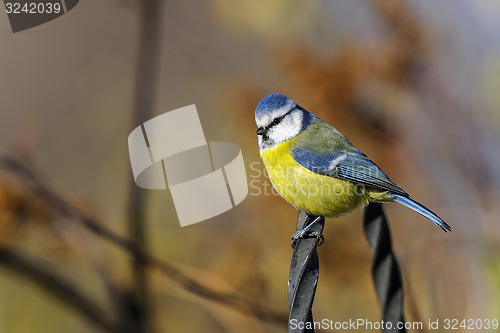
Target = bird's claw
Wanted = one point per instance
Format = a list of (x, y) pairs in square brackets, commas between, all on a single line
[(301, 234)]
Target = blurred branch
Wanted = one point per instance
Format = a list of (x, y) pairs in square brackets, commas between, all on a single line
[(57, 286), (61, 207), (145, 84)]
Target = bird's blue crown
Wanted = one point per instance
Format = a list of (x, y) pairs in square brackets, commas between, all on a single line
[(271, 103)]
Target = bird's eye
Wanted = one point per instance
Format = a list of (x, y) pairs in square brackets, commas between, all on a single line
[(276, 121)]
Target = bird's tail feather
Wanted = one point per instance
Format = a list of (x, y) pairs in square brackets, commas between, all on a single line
[(412, 204)]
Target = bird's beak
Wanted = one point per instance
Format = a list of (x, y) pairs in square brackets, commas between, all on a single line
[(261, 131)]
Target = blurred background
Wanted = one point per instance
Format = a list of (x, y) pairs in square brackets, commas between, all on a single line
[(413, 84)]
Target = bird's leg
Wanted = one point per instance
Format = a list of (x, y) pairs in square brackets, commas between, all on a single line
[(304, 232)]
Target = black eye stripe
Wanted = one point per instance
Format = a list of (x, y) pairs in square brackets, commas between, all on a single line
[(276, 121)]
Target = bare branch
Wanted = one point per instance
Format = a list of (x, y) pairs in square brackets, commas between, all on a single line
[(144, 92), (56, 285), (62, 208)]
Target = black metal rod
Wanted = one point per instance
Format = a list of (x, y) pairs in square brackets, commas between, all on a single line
[(385, 269), (303, 277)]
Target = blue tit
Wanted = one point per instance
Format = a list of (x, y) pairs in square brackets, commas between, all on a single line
[(315, 168)]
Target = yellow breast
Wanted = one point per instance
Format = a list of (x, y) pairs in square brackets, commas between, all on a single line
[(314, 193)]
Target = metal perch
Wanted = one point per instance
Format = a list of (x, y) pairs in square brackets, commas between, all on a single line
[(385, 268), (304, 272), (303, 278)]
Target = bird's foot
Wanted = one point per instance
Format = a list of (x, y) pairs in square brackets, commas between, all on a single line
[(301, 234)]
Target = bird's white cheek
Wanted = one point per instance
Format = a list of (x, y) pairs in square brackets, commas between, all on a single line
[(285, 131)]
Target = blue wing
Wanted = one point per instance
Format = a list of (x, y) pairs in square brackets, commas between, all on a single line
[(350, 165)]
